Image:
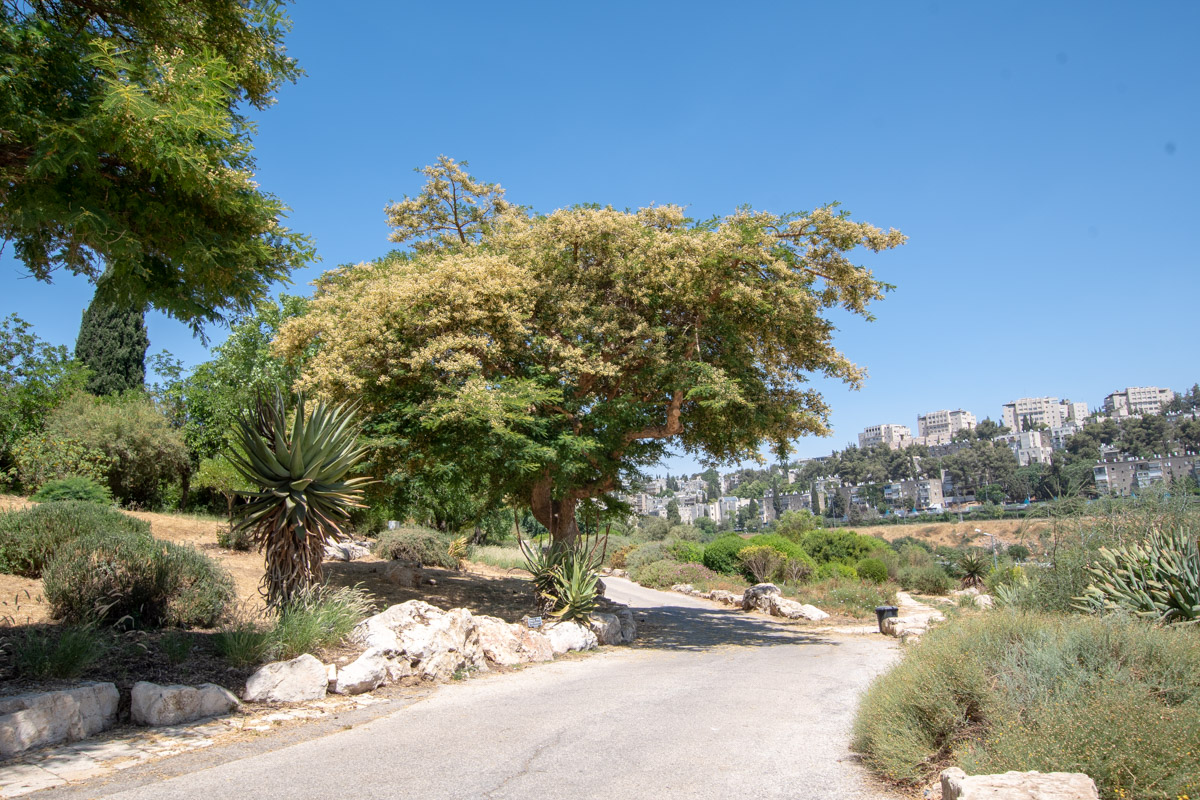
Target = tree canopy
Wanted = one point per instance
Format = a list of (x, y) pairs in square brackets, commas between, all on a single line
[(555, 355), (125, 150)]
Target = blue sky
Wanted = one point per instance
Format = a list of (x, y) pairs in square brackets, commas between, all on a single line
[(1043, 158)]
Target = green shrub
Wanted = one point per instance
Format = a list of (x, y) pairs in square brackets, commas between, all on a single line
[(872, 569), (232, 537), (836, 569), (135, 581), (721, 554), (144, 451), (666, 573), (926, 580), (670, 549), (415, 544), (1111, 697), (75, 487), (58, 654), (796, 570), (41, 457), (315, 619), (1018, 552), (686, 551), (847, 547), (760, 562), (29, 537)]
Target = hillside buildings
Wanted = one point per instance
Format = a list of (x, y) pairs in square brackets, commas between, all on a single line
[(1134, 401), (1124, 476), (894, 436), (1028, 413), (939, 427)]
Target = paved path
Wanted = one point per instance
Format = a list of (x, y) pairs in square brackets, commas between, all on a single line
[(709, 704)]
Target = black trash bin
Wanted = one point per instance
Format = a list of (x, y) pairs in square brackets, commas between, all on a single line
[(882, 613)]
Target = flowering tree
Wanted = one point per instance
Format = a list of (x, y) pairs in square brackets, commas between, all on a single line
[(553, 356)]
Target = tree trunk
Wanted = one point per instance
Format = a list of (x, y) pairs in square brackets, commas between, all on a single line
[(558, 515)]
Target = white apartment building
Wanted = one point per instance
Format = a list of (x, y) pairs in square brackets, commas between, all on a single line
[(1028, 412), (1137, 400), (894, 436), (1030, 447), (939, 427)]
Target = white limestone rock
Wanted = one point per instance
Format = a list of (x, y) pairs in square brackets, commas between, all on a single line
[(957, 785), (154, 705), (607, 628), (365, 674), (759, 597), (728, 598), (41, 718), (501, 641), (567, 636), (346, 551), (790, 609), (302, 678)]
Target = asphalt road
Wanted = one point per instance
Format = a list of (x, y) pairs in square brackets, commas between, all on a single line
[(709, 704)]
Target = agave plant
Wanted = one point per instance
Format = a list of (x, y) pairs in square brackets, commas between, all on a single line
[(304, 496), (974, 567), (564, 575), (1158, 579)]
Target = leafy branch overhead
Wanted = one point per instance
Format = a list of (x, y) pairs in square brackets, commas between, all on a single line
[(125, 150), (567, 350)]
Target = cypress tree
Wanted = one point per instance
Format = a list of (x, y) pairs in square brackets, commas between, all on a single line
[(112, 343)]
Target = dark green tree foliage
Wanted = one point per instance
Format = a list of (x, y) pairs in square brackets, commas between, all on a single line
[(112, 344), (125, 148), (34, 378)]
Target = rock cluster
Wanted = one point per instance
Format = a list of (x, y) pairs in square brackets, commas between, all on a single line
[(957, 785), (767, 598), (37, 719)]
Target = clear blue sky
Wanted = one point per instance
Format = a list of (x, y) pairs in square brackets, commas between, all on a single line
[(1044, 160)]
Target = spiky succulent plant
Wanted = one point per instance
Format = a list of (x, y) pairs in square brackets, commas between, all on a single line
[(305, 494), (1158, 579)]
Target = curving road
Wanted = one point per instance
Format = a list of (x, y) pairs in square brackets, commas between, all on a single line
[(710, 703)]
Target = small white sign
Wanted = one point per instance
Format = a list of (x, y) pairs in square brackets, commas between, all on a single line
[(534, 622)]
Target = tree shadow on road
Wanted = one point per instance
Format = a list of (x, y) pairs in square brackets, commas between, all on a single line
[(684, 628)]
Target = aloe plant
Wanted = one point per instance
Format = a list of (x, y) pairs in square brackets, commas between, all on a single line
[(1158, 579), (305, 492)]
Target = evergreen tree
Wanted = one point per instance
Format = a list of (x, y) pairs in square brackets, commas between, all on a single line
[(112, 344)]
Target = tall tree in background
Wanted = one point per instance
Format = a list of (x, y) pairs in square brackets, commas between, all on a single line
[(559, 355), (112, 344), (125, 150)]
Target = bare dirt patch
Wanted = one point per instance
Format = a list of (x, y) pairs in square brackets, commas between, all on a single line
[(1027, 532)]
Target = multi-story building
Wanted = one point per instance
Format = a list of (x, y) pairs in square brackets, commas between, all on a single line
[(894, 436), (939, 427), (1124, 476), (1137, 400), (1030, 447), (920, 494), (1028, 413)]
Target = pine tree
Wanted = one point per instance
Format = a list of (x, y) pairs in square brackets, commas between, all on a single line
[(112, 344)]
